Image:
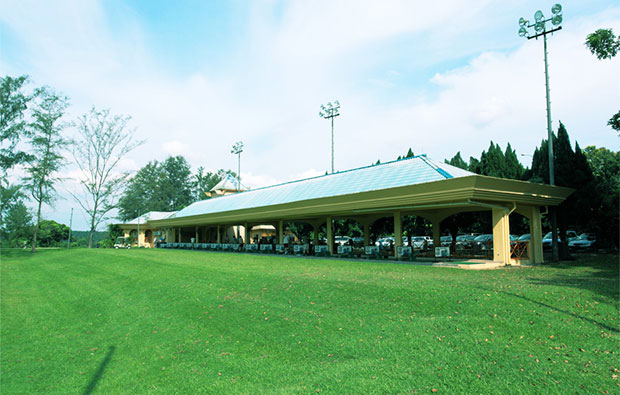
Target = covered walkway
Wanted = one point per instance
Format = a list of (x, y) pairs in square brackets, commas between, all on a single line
[(413, 186)]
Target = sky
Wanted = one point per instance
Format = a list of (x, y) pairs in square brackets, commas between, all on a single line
[(198, 76)]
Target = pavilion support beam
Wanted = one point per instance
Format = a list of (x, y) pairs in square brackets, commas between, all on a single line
[(330, 235), (197, 239), (398, 232), (536, 249), (246, 236), (280, 232), (501, 235), (366, 228), (436, 233), (219, 236)]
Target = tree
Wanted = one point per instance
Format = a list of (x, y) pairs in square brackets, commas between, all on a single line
[(46, 144), (457, 161), (605, 165), (604, 44), (104, 139), (203, 181), (52, 234), (13, 104), (16, 228)]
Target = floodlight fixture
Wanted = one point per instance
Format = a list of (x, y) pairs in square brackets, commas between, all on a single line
[(556, 9), (522, 32), (538, 16), (556, 20), (330, 113), (522, 21)]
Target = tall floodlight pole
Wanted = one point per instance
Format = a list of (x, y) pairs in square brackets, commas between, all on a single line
[(70, 226), (540, 29), (330, 112), (237, 149)]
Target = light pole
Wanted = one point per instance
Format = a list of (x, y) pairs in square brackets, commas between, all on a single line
[(330, 112), (237, 149), (540, 29)]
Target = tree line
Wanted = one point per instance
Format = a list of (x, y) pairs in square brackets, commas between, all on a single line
[(33, 131), (33, 137)]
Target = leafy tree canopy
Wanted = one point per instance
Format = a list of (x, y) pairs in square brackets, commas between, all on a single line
[(603, 43)]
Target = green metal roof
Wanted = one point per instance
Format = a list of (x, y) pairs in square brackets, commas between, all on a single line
[(409, 171)]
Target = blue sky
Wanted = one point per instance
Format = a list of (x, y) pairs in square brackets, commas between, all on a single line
[(197, 76)]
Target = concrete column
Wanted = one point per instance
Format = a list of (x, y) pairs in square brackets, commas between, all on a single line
[(330, 235), (536, 249), (501, 236), (398, 232), (315, 234), (246, 235), (280, 232), (179, 233), (219, 237), (366, 228), (197, 240)]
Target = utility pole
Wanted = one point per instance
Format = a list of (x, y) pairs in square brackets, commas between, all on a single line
[(70, 226), (330, 112), (540, 27)]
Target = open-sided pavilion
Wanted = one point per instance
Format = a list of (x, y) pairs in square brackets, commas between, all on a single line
[(413, 186)]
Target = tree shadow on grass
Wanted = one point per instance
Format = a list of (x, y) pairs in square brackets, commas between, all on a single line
[(601, 280), (97, 376)]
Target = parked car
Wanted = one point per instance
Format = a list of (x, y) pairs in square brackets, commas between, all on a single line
[(524, 237), (420, 241), (547, 241), (446, 241), (385, 242), (586, 241), (464, 241), (483, 242)]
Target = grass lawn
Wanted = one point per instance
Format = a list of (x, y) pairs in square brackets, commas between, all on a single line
[(126, 321)]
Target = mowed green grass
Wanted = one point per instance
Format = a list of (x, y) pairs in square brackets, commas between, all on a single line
[(137, 321)]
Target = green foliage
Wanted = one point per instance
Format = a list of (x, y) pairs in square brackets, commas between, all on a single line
[(457, 161), (614, 122), (203, 181), (46, 143), (16, 226), (114, 231), (605, 165), (166, 186), (52, 234), (603, 43), (13, 105), (496, 163), (191, 322)]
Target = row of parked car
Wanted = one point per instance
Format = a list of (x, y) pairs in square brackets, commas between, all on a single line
[(584, 241)]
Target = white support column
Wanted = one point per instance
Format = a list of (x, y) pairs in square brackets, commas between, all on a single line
[(197, 240), (219, 236), (246, 236), (501, 236), (330, 235)]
